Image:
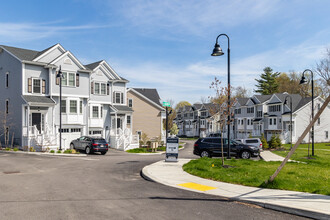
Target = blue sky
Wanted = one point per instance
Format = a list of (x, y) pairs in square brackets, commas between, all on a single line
[(167, 44)]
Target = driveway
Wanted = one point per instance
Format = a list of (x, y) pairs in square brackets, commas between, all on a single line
[(106, 187)]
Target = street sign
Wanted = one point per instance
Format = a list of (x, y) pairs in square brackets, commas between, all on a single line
[(166, 104), (172, 149)]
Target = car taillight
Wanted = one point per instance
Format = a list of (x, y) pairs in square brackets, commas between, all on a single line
[(107, 145), (260, 146), (94, 144), (195, 145)]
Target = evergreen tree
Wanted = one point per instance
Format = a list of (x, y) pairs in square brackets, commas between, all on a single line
[(264, 142), (267, 84), (278, 141), (272, 142)]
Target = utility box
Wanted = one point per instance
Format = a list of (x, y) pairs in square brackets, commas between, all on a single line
[(172, 150)]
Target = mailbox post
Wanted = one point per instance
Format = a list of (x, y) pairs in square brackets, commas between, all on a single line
[(172, 150)]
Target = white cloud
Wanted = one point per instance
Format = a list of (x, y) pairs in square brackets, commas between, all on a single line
[(13, 32), (192, 81), (194, 17)]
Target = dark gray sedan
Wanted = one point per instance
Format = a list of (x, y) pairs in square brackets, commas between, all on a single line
[(90, 144)]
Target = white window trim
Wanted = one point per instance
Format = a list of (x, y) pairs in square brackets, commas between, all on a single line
[(67, 79), (130, 100), (121, 97), (99, 109), (40, 86), (67, 102), (100, 86)]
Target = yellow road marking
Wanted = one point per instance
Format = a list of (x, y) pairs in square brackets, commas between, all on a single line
[(197, 186)]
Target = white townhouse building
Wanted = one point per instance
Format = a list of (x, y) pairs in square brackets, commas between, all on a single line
[(195, 120), (94, 100), (269, 115)]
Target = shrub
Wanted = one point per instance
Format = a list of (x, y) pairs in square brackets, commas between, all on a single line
[(51, 151), (59, 152), (67, 151), (272, 142), (32, 149), (250, 135), (7, 149), (15, 149), (264, 142), (278, 141)]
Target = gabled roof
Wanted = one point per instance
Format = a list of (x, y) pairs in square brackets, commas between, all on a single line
[(151, 94), (45, 100), (22, 54), (302, 103), (25, 54), (121, 108), (92, 66), (262, 98), (242, 101), (197, 106)]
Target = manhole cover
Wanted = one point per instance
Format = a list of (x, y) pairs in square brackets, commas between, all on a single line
[(11, 172)]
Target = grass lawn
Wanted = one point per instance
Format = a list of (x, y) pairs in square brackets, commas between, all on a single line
[(145, 150), (311, 176)]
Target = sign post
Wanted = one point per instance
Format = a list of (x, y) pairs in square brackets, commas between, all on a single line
[(166, 104), (172, 150)]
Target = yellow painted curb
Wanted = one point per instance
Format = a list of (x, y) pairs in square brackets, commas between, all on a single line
[(197, 186)]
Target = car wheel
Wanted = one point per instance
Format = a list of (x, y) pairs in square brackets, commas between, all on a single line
[(103, 153), (88, 150), (245, 155), (72, 146), (205, 154)]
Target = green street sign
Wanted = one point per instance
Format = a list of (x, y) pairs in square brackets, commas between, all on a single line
[(166, 104)]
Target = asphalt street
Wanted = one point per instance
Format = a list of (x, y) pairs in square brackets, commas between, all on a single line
[(106, 187)]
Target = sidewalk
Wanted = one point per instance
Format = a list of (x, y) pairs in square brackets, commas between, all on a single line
[(298, 203)]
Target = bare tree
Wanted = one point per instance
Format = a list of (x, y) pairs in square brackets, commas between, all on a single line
[(220, 109), (6, 126), (323, 70)]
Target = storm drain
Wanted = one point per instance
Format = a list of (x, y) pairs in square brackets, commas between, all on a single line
[(11, 172)]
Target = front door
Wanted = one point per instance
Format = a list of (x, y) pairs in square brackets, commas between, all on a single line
[(36, 120), (119, 123)]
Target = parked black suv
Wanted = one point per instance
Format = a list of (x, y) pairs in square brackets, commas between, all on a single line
[(210, 146), (90, 144)]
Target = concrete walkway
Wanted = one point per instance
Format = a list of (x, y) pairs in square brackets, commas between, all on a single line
[(267, 155), (298, 203)]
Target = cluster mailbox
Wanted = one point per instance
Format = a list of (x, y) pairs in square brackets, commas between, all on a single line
[(172, 149)]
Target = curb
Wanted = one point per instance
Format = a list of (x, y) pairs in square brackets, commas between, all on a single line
[(44, 154), (294, 211)]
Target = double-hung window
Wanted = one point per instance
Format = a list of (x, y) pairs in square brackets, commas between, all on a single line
[(100, 88), (118, 97), (95, 111), (36, 86), (130, 103), (63, 106), (68, 79), (73, 106)]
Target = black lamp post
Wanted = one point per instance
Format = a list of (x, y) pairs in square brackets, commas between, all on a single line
[(217, 51), (304, 81), (285, 102), (60, 76)]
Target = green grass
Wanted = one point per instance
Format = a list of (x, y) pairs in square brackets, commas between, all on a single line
[(311, 176), (144, 150)]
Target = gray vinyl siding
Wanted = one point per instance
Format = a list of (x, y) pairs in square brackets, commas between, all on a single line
[(97, 78), (51, 56), (119, 87), (33, 71), (13, 93)]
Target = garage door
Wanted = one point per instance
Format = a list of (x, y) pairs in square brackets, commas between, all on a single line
[(69, 134)]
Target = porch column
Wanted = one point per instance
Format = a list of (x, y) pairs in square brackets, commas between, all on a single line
[(116, 124), (28, 126)]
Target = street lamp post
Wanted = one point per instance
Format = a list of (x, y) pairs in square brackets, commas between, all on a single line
[(285, 102), (217, 51), (304, 81), (60, 76)]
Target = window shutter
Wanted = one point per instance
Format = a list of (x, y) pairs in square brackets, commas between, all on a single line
[(114, 98), (122, 98), (57, 80), (30, 85), (92, 87), (77, 80), (43, 86), (108, 89)]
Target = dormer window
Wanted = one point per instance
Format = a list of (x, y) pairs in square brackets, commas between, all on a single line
[(100, 88), (36, 86), (118, 97)]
